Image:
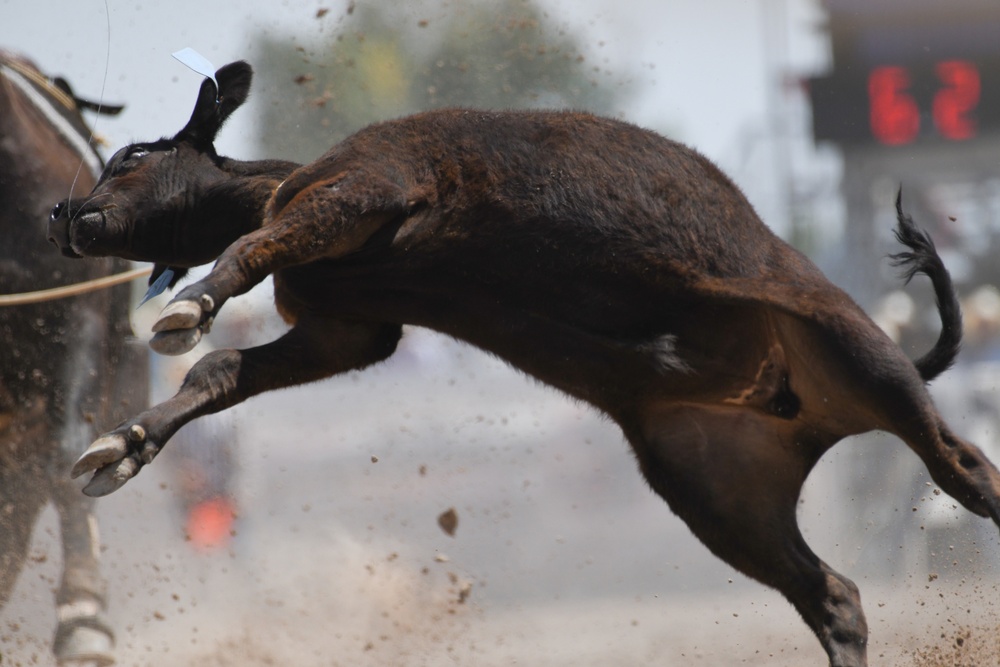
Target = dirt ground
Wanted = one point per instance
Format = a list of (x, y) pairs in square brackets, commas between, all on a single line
[(560, 554), (351, 594), (349, 603)]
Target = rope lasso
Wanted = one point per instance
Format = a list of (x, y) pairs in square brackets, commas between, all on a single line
[(75, 289)]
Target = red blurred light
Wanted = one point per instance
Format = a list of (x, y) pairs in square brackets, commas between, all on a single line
[(894, 115), (959, 97)]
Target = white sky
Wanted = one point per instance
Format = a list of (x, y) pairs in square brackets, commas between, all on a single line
[(702, 63)]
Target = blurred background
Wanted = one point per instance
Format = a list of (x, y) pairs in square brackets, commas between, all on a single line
[(820, 111)]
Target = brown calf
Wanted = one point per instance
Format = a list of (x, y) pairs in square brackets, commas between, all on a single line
[(618, 266)]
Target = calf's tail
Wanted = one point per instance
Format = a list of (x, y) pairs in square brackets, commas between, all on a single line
[(923, 258)]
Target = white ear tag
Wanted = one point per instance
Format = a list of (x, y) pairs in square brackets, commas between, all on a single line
[(197, 62)]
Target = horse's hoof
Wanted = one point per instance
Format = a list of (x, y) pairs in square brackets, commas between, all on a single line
[(84, 642)]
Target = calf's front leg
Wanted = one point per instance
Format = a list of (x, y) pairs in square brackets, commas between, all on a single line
[(315, 218), (316, 348)]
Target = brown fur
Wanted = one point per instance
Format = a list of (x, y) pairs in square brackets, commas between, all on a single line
[(65, 363), (616, 265)]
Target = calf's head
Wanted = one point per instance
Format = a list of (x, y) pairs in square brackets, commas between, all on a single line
[(144, 205)]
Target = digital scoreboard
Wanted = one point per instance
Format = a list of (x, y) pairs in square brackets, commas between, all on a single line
[(909, 72)]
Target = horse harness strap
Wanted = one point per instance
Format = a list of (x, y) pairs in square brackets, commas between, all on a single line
[(41, 92)]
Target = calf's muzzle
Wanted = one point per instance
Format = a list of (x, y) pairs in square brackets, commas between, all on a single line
[(60, 219)]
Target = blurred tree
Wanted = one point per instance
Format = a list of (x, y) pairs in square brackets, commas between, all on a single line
[(379, 65)]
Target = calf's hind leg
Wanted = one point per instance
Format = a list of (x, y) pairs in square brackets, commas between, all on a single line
[(734, 475)]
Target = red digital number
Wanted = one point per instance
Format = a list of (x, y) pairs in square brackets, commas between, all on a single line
[(893, 113), (958, 98)]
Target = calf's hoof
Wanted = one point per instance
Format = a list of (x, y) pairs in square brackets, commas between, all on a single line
[(175, 342), (112, 477), (114, 458), (183, 314), (181, 325)]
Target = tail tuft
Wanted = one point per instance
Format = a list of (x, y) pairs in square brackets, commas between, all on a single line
[(923, 257)]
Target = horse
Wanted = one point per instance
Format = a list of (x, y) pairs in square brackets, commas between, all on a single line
[(620, 267), (68, 363)]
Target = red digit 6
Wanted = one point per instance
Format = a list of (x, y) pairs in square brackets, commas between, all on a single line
[(894, 115)]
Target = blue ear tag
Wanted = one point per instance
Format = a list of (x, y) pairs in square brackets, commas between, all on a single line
[(198, 63), (158, 285)]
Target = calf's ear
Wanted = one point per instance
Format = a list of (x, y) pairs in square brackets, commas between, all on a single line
[(215, 105)]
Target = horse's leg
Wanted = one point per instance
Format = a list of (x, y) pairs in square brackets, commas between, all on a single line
[(734, 476), (28, 480), (23, 485), (23, 494), (82, 635)]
